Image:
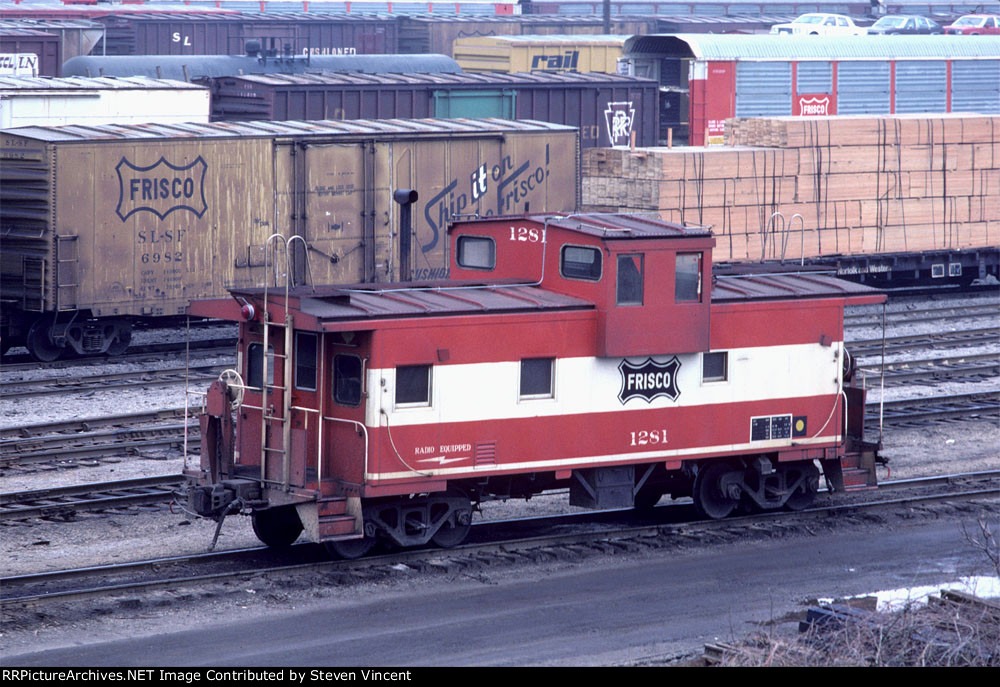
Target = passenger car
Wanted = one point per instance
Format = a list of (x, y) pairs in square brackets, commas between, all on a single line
[(975, 25), (819, 24), (904, 24)]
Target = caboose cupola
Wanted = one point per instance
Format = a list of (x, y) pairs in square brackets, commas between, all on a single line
[(649, 280)]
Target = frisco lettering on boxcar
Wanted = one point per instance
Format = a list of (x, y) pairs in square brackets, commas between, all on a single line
[(152, 188)]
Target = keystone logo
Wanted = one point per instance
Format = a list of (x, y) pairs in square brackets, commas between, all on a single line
[(649, 380), (619, 118), (161, 188)]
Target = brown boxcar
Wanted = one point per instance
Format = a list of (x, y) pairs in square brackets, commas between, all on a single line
[(319, 33), (607, 108), (116, 222), (47, 47)]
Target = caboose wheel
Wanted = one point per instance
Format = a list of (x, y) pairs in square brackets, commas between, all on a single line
[(39, 344), (456, 527), (711, 499), (350, 549), (805, 492), (277, 527)]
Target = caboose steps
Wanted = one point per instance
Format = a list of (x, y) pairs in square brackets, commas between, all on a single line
[(334, 519)]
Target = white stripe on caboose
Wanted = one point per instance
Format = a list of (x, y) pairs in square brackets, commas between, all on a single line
[(576, 461), (489, 391)]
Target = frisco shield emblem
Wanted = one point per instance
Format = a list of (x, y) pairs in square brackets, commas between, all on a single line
[(161, 188), (649, 379)]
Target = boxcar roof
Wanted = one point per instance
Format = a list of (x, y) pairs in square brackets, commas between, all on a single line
[(359, 128), (83, 83), (486, 79), (709, 46)]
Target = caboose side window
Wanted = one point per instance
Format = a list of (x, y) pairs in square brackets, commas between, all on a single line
[(536, 378), (630, 276), (687, 278), (715, 367), (580, 262), (413, 385), (347, 380), (305, 360), (255, 365), (477, 252)]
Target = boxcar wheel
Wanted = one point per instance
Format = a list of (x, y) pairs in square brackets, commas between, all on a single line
[(121, 342), (277, 527), (350, 549), (39, 344), (709, 498)]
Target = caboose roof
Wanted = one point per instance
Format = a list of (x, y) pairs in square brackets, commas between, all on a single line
[(389, 301), (608, 226), (788, 286)]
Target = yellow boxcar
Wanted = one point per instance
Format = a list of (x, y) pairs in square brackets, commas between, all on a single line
[(132, 221), (508, 54)]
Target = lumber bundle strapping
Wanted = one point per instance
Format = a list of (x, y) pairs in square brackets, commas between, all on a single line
[(852, 184)]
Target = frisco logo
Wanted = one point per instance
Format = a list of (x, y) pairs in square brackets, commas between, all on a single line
[(814, 106), (161, 188), (649, 379)]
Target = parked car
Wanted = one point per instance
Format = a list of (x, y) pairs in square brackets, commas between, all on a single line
[(975, 25), (819, 24), (904, 24)]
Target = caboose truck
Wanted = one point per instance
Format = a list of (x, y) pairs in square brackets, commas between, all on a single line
[(593, 352)]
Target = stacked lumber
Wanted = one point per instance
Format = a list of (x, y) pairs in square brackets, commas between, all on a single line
[(840, 184)]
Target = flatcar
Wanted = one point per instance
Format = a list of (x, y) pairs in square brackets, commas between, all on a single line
[(590, 352)]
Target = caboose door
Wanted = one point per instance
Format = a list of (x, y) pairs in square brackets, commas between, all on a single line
[(345, 399)]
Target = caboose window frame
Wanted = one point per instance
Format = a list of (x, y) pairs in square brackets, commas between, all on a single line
[(303, 364), (421, 386), (255, 366), (714, 377), (537, 379), (579, 275), (461, 254), (630, 293), (336, 388), (683, 280)]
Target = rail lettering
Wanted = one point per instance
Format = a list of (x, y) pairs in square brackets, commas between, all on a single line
[(649, 380)]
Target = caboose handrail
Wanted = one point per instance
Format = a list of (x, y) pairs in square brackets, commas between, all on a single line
[(364, 430)]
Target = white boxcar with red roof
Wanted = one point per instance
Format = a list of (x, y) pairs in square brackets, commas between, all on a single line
[(594, 352)]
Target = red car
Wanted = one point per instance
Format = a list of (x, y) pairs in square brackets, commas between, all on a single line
[(975, 24)]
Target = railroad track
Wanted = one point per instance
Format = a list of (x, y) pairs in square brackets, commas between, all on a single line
[(65, 502), (136, 354), (941, 313), (860, 348), (569, 536), (920, 411), (951, 368), (114, 380)]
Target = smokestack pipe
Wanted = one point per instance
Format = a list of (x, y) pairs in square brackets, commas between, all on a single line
[(405, 197)]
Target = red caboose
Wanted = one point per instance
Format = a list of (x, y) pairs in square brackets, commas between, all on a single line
[(593, 352)]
